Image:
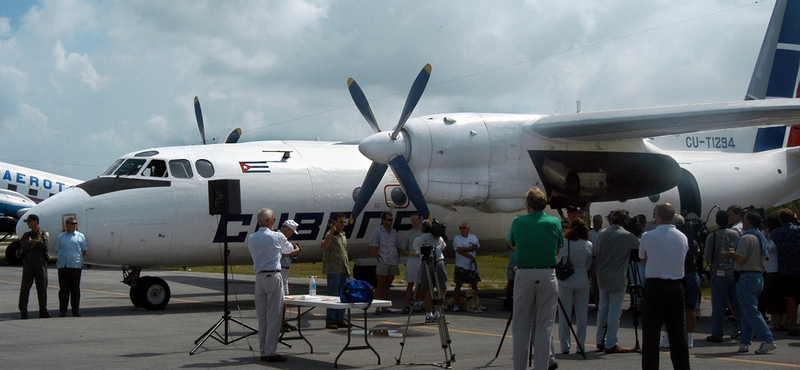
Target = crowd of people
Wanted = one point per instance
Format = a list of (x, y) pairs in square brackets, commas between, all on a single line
[(753, 263)]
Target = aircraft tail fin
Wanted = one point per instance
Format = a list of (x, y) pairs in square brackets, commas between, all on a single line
[(777, 70)]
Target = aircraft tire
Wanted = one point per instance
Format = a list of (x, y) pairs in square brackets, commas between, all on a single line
[(13, 254), (150, 293)]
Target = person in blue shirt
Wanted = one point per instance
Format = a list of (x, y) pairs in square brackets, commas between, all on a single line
[(71, 248)]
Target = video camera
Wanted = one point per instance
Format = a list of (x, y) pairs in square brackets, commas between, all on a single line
[(438, 229), (426, 251)]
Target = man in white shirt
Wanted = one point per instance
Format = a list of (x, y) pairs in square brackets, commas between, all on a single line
[(267, 247), (662, 252), (466, 271)]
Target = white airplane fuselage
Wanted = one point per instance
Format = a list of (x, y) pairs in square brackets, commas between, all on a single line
[(142, 221)]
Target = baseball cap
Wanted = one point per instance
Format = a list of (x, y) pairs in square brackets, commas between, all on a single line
[(32, 218), (291, 224)]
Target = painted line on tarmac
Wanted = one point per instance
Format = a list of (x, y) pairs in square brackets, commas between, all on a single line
[(746, 360)]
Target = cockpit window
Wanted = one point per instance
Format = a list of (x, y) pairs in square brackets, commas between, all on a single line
[(156, 168), (130, 167), (180, 168), (113, 167), (204, 168)]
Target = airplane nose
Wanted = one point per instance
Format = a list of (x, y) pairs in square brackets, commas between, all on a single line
[(380, 147)]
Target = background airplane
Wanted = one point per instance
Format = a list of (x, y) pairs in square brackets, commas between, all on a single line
[(20, 189), (150, 208)]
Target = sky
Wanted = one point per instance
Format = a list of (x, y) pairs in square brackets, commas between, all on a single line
[(84, 82)]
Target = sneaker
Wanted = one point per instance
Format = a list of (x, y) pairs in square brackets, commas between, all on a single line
[(713, 339), (766, 347), (331, 326), (418, 306), (274, 358), (744, 348), (429, 318), (455, 308), (664, 341)]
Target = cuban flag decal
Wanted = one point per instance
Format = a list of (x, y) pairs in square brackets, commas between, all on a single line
[(254, 167)]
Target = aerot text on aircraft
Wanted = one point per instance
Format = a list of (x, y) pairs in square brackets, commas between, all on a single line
[(20, 189), (150, 208)]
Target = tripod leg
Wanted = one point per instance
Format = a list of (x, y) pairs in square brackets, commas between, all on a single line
[(503, 338), (571, 329)]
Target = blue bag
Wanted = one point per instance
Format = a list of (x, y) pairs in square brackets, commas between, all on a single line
[(356, 291)]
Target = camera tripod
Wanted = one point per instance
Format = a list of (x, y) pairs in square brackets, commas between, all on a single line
[(436, 291), (566, 317), (635, 290)]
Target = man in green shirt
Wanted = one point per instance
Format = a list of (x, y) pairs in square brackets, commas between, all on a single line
[(336, 265), (537, 238)]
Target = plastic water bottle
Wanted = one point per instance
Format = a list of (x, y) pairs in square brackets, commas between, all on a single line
[(312, 287)]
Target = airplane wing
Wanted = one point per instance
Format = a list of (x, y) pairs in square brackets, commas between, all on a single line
[(650, 122)]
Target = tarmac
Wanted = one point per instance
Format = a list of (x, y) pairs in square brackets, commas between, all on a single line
[(112, 334)]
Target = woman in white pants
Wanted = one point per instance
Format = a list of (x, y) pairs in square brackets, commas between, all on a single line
[(574, 291)]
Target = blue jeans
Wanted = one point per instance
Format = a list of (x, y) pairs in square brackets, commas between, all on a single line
[(608, 313), (335, 283), (748, 289), (722, 289)]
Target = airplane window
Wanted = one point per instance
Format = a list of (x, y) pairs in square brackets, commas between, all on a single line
[(113, 167), (180, 168), (130, 167), (204, 168), (148, 153), (12, 187), (156, 168), (33, 192)]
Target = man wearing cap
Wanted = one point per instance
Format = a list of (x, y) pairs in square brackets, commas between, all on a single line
[(266, 248), (288, 229), (33, 245), (71, 247)]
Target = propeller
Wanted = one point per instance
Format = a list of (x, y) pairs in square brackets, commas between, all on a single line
[(234, 136), (388, 149), (199, 115)]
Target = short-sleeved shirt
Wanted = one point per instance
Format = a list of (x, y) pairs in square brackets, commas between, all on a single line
[(334, 259), (665, 250), (70, 248), (266, 248), (537, 237), (749, 247), (716, 251), (613, 250), (387, 243), (438, 245), (787, 238), (462, 242)]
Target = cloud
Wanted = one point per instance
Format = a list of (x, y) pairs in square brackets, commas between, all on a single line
[(78, 65)]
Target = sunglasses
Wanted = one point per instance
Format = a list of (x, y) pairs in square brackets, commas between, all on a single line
[(72, 223)]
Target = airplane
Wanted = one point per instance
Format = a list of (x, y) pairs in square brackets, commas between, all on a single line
[(151, 207), (20, 189)]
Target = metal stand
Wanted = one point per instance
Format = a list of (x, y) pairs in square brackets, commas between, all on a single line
[(428, 268), (635, 291), (226, 317), (581, 350)]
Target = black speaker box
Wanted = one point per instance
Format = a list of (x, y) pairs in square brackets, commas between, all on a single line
[(224, 197)]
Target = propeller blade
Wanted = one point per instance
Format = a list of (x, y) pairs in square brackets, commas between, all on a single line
[(199, 115), (409, 182), (234, 136), (371, 181), (362, 104), (413, 98)]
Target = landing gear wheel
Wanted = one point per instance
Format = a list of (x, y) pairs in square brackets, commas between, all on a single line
[(150, 293), (13, 254)]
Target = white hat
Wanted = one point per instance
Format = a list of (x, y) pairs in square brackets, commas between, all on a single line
[(291, 224)]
